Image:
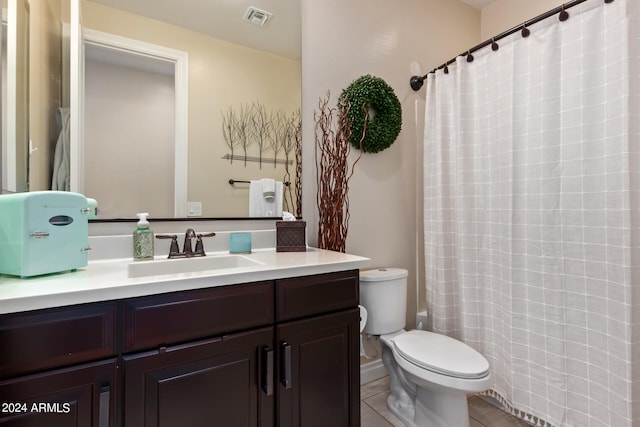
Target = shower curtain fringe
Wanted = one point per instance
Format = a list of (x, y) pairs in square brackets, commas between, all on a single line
[(504, 404), (416, 82)]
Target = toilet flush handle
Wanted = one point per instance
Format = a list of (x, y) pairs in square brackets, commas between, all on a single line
[(363, 317)]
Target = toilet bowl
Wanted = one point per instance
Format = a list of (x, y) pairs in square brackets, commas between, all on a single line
[(430, 374)]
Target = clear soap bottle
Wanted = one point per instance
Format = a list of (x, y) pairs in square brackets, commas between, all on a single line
[(143, 239)]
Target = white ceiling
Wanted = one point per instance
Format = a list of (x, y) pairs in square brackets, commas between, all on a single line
[(478, 4), (223, 19)]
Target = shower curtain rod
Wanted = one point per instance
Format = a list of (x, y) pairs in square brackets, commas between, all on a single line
[(416, 82)]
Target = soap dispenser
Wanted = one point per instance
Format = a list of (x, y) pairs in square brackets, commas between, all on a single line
[(143, 239)]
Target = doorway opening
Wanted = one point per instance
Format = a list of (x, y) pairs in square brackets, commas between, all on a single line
[(135, 127)]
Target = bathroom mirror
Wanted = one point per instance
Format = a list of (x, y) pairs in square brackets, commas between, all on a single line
[(235, 68)]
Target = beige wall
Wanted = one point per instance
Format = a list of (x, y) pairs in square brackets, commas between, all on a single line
[(502, 15), (343, 40), (391, 42), (221, 75)]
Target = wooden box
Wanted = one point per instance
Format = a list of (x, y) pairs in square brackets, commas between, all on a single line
[(291, 236)]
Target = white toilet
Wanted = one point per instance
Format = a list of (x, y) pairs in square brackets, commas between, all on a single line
[(430, 374)]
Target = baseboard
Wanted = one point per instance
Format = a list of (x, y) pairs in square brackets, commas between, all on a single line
[(372, 371)]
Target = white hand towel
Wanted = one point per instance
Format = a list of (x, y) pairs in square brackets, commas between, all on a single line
[(261, 207), (268, 188)]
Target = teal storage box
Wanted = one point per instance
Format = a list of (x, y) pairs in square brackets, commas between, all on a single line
[(43, 232), (240, 243)]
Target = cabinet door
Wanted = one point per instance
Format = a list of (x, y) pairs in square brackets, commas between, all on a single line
[(80, 396), (226, 381), (318, 371)]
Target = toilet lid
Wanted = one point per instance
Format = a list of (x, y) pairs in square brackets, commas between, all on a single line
[(441, 354)]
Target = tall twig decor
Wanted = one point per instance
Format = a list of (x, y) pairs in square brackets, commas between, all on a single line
[(298, 155), (332, 148)]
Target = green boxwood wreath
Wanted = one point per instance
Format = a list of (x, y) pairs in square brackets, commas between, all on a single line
[(385, 113)]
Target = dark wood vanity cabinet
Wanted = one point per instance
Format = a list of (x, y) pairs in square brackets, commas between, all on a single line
[(58, 367), (78, 396), (209, 356), (220, 381), (319, 379), (38, 340), (274, 353), (317, 332)]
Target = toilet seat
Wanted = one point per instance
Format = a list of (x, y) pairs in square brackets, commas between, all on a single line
[(441, 354)]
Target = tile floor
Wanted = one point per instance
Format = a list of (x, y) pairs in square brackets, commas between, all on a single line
[(374, 412)]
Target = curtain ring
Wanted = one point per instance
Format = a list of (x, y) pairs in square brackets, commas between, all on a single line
[(494, 46), (446, 69), (564, 15), (525, 31), (608, 1), (469, 56)]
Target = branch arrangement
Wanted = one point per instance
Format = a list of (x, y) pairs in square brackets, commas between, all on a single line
[(253, 129), (332, 133), (298, 138)]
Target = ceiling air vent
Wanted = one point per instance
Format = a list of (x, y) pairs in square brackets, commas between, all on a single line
[(257, 16)]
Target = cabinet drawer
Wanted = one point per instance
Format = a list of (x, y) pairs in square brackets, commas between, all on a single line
[(310, 295), (43, 339), (181, 316)]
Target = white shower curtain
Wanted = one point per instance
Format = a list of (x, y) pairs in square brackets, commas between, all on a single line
[(532, 214)]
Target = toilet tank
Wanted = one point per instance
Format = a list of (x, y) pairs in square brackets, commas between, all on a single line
[(383, 292)]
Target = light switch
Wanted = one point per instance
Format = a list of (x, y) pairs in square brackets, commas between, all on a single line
[(194, 208)]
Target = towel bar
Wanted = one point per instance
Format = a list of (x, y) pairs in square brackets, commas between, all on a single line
[(233, 181)]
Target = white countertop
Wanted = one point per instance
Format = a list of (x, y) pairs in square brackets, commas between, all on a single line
[(108, 279)]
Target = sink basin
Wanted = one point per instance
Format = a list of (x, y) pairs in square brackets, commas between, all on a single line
[(189, 265)]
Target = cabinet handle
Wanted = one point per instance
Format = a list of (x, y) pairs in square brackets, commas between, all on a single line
[(105, 400), (267, 370), (285, 365), (39, 234)]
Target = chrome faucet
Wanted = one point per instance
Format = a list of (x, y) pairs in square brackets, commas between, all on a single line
[(187, 247)]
